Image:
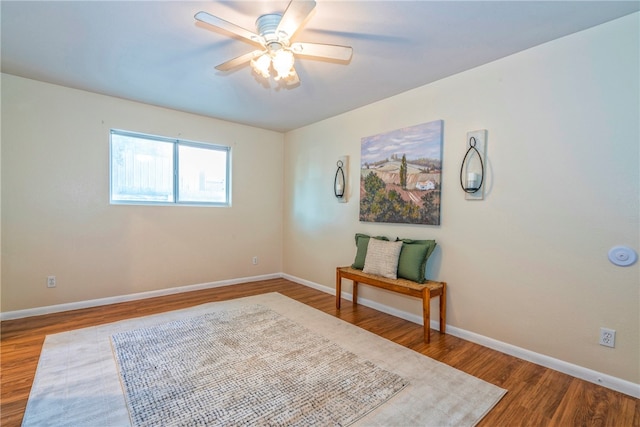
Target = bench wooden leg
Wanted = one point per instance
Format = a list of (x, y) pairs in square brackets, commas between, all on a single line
[(355, 293), (443, 308), (426, 314), (338, 288)]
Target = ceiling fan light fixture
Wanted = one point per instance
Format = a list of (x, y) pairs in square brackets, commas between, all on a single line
[(282, 63), (261, 65)]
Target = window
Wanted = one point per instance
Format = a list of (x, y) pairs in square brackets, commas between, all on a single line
[(148, 169)]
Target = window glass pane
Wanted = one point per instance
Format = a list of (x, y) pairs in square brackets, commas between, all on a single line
[(202, 174), (141, 169), (148, 169)]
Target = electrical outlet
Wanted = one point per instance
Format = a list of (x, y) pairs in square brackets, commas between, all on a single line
[(51, 281), (607, 337), (254, 260)]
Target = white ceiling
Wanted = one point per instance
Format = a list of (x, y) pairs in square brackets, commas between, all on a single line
[(155, 52)]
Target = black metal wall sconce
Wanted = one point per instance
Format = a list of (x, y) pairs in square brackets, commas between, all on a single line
[(340, 179), (472, 170)]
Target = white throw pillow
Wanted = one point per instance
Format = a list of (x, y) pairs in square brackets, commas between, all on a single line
[(382, 258)]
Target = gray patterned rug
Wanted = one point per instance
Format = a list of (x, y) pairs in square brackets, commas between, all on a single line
[(248, 366), (78, 384)]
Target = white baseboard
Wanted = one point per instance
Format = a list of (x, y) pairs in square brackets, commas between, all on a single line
[(19, 314), (605, 380)]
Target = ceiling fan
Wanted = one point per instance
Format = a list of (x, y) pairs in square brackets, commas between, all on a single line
[(273, 36)]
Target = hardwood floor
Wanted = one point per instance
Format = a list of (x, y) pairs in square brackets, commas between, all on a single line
[(536, 396)]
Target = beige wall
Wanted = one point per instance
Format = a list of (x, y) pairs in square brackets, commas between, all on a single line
[(57, 219), (528, 265)]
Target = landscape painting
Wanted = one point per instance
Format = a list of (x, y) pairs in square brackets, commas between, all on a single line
[(400, 175)]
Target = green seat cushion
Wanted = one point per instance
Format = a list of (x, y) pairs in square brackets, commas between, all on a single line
[(362, 242), (413, 259)]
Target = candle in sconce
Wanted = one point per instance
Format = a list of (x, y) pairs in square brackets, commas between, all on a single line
[(472, 180)]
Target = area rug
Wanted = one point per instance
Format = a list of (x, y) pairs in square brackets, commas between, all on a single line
[(78, 384), (249, 366)]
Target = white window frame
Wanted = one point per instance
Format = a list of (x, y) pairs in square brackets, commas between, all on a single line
[(177, 143)]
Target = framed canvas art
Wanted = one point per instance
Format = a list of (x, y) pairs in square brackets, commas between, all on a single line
[(400, 175)]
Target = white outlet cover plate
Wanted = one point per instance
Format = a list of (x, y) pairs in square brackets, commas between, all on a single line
[(622, 256), (607, 337)]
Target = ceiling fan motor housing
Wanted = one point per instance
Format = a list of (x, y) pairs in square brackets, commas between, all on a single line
[(267, 26)]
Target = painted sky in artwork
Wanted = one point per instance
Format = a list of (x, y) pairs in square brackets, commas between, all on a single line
[(420, 141)]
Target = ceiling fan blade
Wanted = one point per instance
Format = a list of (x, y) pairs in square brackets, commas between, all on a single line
[(228, 26), (240, 60), (330, 51), (294, 16)]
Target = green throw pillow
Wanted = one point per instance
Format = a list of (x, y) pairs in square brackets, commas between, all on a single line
[(413, 259), (362, 242)]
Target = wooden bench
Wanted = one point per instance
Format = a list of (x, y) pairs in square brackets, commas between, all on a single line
[(427, 290)]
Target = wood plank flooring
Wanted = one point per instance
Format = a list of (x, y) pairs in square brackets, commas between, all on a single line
[(536, 396)]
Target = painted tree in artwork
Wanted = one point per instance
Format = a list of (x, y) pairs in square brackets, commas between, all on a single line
[(430, 212), (380, 205), (403, 172)]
